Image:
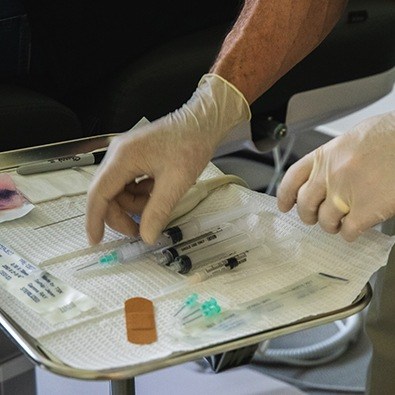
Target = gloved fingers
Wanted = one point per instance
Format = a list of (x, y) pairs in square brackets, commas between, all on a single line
[(292, 181), (140, 188), (314, 191), (96, 211), (118, 219), (330, 216), (352, 226), (135, 196), (105, 187), (132, 203), (310, 197), (362, 218), (164, 197)]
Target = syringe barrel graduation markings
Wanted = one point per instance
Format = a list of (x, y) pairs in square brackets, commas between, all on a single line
[(215, 252), (217, 267), (212, 269), (220, 233), (202, 223), (133, 250)]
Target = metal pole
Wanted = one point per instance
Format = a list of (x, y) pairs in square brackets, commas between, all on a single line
[(122, 387)]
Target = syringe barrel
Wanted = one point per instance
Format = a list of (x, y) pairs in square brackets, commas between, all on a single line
[(225, 264), (130, 251), (185, 231), (208, 221), (202, 223), (181, 266), (235, 244), (216, 235)]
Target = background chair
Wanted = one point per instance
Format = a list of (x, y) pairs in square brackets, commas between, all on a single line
[(98, 67)]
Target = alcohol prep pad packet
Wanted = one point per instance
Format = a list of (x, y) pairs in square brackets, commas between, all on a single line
[(40, 290)]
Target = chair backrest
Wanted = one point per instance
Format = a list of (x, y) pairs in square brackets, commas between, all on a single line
[(361, 45), (309, 109)]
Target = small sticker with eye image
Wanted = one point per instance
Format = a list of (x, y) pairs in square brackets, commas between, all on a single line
[(9, 195), (12, 203)]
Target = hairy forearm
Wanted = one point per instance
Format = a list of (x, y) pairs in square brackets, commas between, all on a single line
[(270, 37)]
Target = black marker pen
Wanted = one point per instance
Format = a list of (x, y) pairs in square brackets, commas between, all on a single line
[(64, 162)]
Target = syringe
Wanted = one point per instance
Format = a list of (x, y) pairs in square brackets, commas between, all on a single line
[(220, 233), (127, 252), (202, 223), (232, 246), (169, 237), (210, 270)]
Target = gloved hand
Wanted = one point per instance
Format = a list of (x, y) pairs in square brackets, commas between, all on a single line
[(172, 151), (348, 184)]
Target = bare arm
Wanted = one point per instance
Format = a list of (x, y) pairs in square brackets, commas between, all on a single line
[(270, 37)]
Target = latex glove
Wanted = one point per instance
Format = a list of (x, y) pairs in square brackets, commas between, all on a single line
[(348, 184), (172, 151)]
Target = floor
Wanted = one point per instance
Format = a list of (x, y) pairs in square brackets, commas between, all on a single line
[(193, 378)]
